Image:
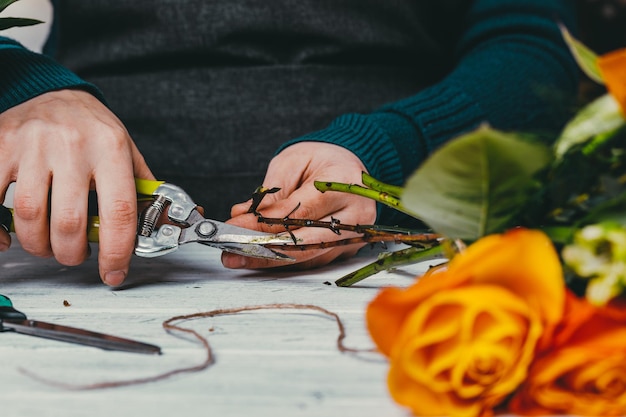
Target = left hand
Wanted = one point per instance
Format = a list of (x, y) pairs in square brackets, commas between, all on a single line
[(294, 170)]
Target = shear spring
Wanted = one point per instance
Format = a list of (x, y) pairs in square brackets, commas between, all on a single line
[(150, 215)]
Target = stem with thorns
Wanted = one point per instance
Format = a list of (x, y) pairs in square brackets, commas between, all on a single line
[(374, 184), (389, 260), (375, 190)]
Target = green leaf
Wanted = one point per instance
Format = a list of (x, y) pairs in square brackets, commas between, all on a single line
[(585, 57), (611, 210), (6, 3), (601, 116), (9, 22), (560, 234), (476, 184)]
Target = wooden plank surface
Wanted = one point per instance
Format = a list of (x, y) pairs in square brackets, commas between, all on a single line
[(268, 363)]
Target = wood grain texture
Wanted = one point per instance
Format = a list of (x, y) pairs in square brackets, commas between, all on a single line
[(268, 363)]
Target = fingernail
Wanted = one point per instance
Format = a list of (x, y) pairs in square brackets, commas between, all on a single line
[(114, 278)]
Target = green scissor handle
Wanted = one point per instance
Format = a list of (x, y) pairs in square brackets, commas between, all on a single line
[(6, 222), (145, 188), (7, 312)]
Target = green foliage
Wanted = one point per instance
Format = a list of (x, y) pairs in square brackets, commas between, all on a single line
[(601, 117), (476, 184), (587, 59), (6, 3), (589, 183), (487, 181), (9, 22)]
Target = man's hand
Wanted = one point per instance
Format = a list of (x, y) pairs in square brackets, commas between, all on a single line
[(294, 170), (56, 147)]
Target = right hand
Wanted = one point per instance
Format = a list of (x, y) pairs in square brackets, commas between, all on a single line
[(56, 147)]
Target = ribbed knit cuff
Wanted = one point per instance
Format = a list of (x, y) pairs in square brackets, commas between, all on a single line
[(26, 74), (395, 140), (363, 136), (439, 113), (367, 138)]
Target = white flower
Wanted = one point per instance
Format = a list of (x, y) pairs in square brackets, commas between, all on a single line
[(599, 254)]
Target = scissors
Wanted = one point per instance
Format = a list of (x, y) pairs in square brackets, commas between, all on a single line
[(16, 321), (185, 224)]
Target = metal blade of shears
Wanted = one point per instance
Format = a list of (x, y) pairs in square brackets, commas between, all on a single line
[(79, 336), (252, 250), (16, 321)]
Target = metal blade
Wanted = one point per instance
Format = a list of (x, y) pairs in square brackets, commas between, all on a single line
[(251, 250), (213, 231), (79, 336)]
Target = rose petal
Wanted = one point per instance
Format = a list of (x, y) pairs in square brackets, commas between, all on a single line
[(522, 260), (480, 330), (386, 313), (584, 372), (613, 69)]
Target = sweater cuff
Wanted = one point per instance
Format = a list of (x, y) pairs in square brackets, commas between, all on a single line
[(367, 138), (393, 141), (26, 74), (439, 113)]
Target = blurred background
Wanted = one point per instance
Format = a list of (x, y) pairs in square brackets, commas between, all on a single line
[(602, 23), (602, 27)]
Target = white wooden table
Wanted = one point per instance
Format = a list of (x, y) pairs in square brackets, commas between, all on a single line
[(268, 363)]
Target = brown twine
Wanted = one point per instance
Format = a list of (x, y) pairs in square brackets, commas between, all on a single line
[(209, 360)]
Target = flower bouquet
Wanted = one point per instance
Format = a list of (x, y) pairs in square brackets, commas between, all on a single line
[(528, 316)]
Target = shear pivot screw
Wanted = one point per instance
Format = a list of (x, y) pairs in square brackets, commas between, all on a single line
[(206, 229)]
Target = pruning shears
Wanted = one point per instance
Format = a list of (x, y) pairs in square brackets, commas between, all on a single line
[(185, 224), (16, 321)]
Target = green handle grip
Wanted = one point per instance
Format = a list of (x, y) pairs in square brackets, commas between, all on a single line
[(6, 222), (5, 301), (144, 188), (7, 312)]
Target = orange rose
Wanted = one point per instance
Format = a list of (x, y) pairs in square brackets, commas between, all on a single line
[(613, 69), (584, 373), (460, 341)]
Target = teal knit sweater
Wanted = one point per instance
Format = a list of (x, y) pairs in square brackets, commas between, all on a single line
[(459, 64)]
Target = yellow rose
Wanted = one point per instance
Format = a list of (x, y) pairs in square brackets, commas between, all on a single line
[(584, 371), (461, 341)]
